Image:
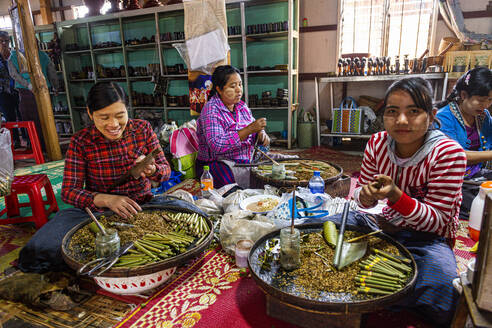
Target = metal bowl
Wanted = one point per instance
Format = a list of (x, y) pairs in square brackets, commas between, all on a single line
[(138, 279), (325, 302)]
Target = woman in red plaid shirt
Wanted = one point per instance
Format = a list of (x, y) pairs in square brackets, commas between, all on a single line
[(97, 156)]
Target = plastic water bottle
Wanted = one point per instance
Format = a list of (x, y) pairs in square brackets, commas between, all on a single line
[(476, 210), (206, 182), (316, 183)]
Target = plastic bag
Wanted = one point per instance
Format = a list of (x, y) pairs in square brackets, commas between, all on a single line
[(222, 190), (208, 206), (183, 195), (239, 225), (189, 124), (205, 51), (6, 162), (316, 205), (231, 202), (166, 131), (216, 198)]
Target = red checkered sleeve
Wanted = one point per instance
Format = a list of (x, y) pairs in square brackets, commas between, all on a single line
[(74, 176), (93, 164)]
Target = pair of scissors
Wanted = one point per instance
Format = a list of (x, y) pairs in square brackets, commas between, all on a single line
[(103, 264)]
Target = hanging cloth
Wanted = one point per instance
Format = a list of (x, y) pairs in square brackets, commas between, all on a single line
[(201, 17)]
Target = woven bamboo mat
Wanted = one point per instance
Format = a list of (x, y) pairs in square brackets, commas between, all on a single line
[(97, 312)]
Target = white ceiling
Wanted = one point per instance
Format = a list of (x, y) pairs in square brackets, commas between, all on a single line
[(5, 4)]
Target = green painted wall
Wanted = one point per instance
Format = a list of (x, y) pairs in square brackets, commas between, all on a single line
[(269, 13), (137, 28), (109, 32)]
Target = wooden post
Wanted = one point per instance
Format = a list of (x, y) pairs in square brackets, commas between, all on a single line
[(38, 81), (45, 8)]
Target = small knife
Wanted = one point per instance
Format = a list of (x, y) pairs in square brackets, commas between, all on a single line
[(136, 169)]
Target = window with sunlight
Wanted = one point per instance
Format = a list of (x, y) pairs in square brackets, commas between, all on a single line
[(5, 22), (385, 27), (82, 11)]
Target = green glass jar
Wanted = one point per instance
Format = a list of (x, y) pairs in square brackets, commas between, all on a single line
[(290, 249), (107, 245)]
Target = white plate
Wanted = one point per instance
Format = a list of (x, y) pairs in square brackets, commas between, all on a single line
[(253, 199)]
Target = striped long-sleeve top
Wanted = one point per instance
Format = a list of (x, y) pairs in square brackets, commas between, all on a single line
[(431, 189), (217, 131)]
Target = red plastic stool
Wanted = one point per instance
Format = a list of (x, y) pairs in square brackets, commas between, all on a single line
[(30, 185), (36, 152)]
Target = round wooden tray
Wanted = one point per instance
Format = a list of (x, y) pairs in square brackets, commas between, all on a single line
[(192, 251), (336, 186), (329, 302)]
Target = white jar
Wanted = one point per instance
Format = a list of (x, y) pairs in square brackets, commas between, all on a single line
[(476, 210)]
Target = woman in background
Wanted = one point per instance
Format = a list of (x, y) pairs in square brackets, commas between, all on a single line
[(464, 117), (226, 128)]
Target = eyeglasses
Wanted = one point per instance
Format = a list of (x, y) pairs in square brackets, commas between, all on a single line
[(7, 41)]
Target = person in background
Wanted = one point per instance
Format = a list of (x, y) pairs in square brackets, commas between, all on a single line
[(226, 129), (464, 117), (27, 101), (9, 97), (419, 172), (96, 157)]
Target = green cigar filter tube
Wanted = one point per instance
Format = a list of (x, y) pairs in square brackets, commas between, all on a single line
[(377, 285), (385, 282), (390, 264), (392, 257), (382, 287), (400, 266), (385, 268), (369, 290), (377, 269), (376, 275), (388, 267)]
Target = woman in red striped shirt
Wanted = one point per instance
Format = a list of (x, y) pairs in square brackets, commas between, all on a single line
[(418, 171)]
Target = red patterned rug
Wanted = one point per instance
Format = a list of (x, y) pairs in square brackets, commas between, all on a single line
[(213, 293)]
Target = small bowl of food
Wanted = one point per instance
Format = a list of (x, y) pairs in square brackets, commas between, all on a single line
[(260, 204)]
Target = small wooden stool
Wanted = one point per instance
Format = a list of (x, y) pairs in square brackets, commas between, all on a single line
[(30, 185)]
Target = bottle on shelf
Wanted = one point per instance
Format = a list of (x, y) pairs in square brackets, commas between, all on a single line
[(206, 182), (316, 183), (476, 210)]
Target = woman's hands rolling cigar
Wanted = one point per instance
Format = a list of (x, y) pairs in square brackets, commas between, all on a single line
[(382, 187)]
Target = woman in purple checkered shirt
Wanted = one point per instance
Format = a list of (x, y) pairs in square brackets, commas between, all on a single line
[(226, 128)]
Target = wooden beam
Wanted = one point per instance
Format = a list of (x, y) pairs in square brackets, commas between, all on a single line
[(45, 9), (61, 8), (318, 28), (38, 81)]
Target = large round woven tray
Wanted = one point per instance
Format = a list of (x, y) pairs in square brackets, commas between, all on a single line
[(178, 260), (336, 186), (326, 302)]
